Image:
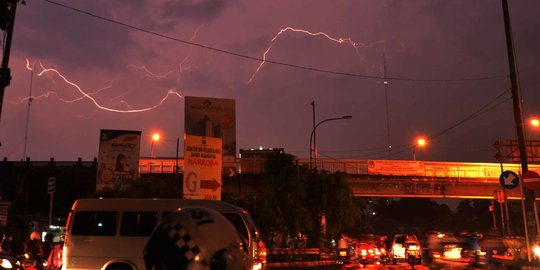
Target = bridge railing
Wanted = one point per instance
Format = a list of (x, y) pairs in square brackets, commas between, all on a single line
[(436, 169)]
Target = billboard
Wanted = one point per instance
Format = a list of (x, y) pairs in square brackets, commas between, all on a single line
[(508, 151), (213, 117), (202, 168), (118, 159)]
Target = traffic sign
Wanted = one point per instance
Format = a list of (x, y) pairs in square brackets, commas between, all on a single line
[(509, 179), (51, 185), (499, 195), (531, 180), (202, 167)]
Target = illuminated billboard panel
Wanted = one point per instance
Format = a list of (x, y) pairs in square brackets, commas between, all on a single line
[(118, 159), (213, 117)]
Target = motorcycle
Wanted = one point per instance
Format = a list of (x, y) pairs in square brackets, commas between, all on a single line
[(413, 254), (27, 263), (9, 262)]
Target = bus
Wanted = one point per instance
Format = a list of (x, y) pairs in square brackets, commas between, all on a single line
[(110, 234)]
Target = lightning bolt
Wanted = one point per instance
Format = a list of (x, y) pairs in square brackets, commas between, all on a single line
[(346, 41), (89, 95), (181, 68), (149, 74)]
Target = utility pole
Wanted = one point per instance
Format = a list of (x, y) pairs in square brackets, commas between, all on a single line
[(530, 226), (7, 20), (311, 148)]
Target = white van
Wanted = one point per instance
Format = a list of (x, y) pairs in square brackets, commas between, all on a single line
[(110, 234)]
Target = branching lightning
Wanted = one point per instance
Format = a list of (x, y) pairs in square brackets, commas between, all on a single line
[(150, 74), (90, 95), (347, 41)]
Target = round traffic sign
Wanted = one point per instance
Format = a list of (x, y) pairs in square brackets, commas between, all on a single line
[(509, 180), (531, 180)]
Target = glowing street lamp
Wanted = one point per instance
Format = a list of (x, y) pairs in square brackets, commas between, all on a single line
[(535, 122), (420, 142), (155, 139)]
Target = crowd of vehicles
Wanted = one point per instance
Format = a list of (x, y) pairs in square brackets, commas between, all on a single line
[(110, 234), (471, 249), (367, 249)]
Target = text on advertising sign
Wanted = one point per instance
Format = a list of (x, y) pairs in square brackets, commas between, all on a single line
[(202, 168)]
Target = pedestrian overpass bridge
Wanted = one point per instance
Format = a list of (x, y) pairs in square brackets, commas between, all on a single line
[(377, 178)]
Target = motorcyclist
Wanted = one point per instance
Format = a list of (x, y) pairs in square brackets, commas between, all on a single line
[(7, 245), (33, 248), (47, 244), (383, 249), (196, 238)]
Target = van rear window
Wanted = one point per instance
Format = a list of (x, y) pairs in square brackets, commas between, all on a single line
[(94, 223), (138, 223)]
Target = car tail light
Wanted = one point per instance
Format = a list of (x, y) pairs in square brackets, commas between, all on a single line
[(363, 252)]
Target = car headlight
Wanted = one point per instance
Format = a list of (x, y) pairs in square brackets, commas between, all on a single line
[(6, 264)]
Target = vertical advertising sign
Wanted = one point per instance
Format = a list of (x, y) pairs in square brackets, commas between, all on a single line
[(213, 117), (202, 168), (118, 159)]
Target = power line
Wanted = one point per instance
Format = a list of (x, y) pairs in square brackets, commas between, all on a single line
[(405, 148), (487, 107), (258, 59), (482, 110)]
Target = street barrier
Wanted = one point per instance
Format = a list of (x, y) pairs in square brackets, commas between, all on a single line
[(297, 257), (278, 255)]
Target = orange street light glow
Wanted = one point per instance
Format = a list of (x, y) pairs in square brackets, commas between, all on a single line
[(155, 137), (421, 142), (535, 122)]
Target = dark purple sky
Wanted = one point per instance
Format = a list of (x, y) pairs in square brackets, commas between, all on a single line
[(122, 69)]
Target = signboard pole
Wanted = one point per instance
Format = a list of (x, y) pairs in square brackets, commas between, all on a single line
[(508, 230), (517, 104), (51, 188), (525, 225), (536, 218), (503, 225), (492, 210), (50, 209)]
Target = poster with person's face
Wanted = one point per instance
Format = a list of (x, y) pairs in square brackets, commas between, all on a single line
[(213, 117), (118, 159)]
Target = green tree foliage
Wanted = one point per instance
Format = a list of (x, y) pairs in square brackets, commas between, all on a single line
[(340, 209), (295, 198), (331, 196), (280, 207)]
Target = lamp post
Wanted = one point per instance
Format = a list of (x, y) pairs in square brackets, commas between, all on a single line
[(155, 138), (311, 144), (420, 142)]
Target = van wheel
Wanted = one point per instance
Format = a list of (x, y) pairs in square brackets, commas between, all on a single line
[(119, 266)]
